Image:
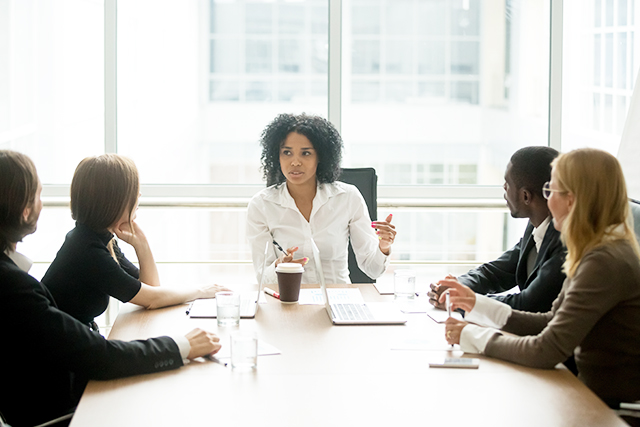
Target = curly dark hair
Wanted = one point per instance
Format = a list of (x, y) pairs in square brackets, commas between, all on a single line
[(321, 133)]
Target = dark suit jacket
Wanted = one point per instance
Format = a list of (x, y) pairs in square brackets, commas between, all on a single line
[(47, 356), (537, 291)]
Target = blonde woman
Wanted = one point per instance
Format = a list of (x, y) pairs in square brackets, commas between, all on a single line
[(89, 268), (597, 314)]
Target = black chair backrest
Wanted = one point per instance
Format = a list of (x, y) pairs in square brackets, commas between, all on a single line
[(635, 213), (367, 182)]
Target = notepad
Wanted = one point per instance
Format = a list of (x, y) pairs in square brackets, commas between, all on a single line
[(264, 349), (341, 295)]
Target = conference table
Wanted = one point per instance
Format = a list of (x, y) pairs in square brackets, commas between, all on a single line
[(333, 375)]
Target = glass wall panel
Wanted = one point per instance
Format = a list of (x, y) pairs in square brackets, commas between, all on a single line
[(600, 68), (52, 83), (461, 82), (199, 80)]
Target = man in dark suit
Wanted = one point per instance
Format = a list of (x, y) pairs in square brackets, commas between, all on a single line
[(534, 264), (47, 356)]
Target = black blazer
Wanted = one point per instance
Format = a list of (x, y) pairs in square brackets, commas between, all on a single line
[(539, 290), (47, 356)]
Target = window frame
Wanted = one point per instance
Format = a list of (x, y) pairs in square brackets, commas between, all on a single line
[(388, 195)]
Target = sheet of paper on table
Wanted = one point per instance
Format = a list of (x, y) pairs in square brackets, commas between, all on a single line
[(264, 349), (336, 295), (386, 288), (436, 343)]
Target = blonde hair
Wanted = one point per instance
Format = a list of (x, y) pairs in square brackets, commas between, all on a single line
[(595, 179)]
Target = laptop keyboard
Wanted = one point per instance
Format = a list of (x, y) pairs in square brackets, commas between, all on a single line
[(352, 312)]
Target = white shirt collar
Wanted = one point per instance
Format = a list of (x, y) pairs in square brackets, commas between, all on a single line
[(20, 260), (540, 231), (281, 196)]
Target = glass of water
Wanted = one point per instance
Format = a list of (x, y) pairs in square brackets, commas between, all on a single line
[(244, 351), (404, 284), (228, 308)]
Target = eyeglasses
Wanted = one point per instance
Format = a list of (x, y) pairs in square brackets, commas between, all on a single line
[(547, 190)]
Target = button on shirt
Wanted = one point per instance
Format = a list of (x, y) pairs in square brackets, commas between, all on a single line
[(339, 212)]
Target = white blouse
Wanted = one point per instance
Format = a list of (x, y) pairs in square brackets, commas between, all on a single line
[(339, 211)]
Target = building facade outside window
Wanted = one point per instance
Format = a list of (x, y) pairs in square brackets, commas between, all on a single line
[(434, 93)]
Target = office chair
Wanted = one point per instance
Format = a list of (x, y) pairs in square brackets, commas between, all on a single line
[(60, 421), (635, 213), (632, 414), (366, 180)]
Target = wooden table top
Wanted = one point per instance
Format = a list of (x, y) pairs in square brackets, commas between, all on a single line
[(332, 375)]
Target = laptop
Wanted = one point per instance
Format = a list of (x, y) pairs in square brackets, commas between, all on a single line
[(249, 300), (367, 313)]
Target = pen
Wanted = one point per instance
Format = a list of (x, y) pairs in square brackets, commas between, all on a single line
[(214, 359), (630, 406), (280, 247), (448, 303), (189, 308), (271, 292)]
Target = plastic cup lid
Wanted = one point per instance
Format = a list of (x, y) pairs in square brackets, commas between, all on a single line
[(289, 267)]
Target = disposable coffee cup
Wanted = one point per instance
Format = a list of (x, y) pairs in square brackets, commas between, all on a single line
[(289, 278)]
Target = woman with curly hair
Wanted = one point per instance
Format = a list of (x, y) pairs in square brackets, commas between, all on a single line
[(301, 157), (596, 316)]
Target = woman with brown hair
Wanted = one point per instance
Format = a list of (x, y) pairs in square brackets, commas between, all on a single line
[(89, 268), (596, 317), (48, 356)]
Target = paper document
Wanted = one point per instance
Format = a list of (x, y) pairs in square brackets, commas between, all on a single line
[(438, 343), (264, 349), (416, 305), (440, 316), (387, 288), (336, 295)]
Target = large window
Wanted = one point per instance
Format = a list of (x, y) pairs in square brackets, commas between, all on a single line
[(442, 92), (435, 94), (199, 80), (600, 67), (52, 82)]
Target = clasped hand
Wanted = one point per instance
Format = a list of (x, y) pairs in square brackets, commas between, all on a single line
[(461, 296), (202, 343)]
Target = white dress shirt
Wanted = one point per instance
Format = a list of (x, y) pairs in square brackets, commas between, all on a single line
[(487, 312), (540, 231), (491, 313), (339, 211)]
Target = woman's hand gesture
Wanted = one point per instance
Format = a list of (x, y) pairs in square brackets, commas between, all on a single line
[(288, 257), (386, 233)]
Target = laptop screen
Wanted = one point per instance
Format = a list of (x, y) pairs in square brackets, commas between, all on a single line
[(319, 273)]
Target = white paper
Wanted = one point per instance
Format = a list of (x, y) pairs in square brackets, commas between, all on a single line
[(336, 295), (416, 305), (264, 349), (424, 344), (440, 316), (387, 288)]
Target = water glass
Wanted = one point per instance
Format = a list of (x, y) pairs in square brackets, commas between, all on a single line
[(244, 351), (404, 285), (228, 308)]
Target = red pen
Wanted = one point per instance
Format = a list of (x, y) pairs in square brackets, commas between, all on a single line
[(271, 292)]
